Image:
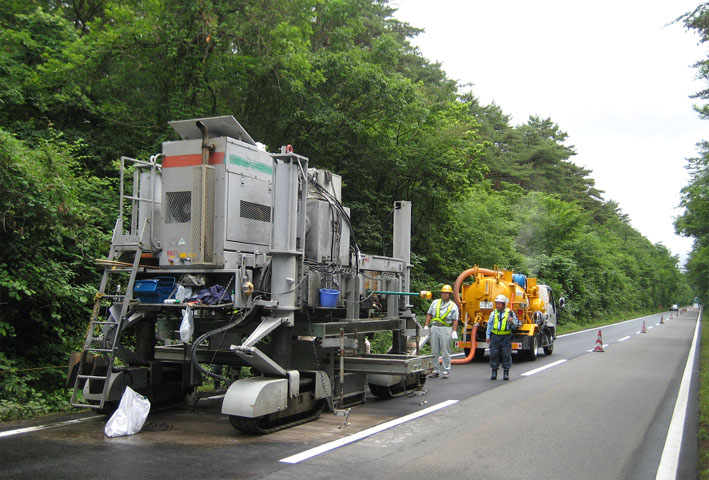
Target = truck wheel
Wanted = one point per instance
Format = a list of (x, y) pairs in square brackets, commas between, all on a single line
[(532, 354)]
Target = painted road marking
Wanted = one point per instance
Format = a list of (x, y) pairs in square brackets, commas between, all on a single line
[(537, 370), (365, 433), (624, 338), (670, 453), (19, 431), (604, 326)]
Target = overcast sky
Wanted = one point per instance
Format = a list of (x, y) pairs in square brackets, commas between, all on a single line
[(614, 75)]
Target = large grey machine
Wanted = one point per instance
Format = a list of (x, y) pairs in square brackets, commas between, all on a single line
[(234, 263)]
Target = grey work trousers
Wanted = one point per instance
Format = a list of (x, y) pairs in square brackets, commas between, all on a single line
[(500, 351), (441, 347)]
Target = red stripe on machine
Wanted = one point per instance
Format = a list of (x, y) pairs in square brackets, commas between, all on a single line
[(216, 158)]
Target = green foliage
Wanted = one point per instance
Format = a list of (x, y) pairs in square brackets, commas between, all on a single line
[(49, 240), (703, 430)]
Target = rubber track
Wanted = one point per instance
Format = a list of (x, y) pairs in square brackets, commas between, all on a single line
[(250, 425)]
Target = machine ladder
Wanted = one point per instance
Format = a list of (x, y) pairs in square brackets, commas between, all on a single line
[(98, 357), (103, 335)]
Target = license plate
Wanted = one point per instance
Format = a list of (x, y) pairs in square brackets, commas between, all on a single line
[(485, 305)]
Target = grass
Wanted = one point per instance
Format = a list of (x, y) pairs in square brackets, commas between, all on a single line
[(703, 433)]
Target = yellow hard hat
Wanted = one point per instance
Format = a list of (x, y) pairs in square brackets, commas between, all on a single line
[(446, 288)]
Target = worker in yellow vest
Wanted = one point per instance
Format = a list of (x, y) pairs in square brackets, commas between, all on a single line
[(499, 336), (443, 317)]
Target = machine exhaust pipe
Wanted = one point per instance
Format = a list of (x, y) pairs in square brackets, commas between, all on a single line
[(206, 147)]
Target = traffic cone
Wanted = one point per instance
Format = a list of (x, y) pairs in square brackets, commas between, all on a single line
[(662, 319), (643, 329), (599, 343)]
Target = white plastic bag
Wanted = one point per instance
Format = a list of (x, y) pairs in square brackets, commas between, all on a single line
[(130, 415), (186, 327)]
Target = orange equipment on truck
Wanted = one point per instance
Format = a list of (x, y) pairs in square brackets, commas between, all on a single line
[(533, 303)]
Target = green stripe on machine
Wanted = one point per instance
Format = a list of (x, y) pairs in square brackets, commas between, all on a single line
[(246, 163)]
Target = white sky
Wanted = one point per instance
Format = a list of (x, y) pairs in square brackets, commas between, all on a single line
[(612, 74)]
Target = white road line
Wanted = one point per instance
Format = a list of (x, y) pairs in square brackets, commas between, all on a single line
[(650, 327), (9, 433), (604, 326), (537, 370), (624, 338), (670, 453), (364, 433)]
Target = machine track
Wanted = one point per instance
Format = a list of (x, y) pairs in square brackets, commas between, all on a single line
[(263, 425), (396, 390)]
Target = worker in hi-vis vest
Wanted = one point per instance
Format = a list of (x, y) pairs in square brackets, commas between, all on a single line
[(443, 317), (499, 336)]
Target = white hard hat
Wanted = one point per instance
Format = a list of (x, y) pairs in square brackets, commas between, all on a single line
[(501, 298)]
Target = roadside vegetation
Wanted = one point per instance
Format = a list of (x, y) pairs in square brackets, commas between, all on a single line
[(703, 435), (85, 82)]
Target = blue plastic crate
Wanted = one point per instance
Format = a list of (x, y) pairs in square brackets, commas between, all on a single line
[(153, 290)]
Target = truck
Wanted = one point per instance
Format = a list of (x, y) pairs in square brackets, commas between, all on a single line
[(232, 263), (533, 303)]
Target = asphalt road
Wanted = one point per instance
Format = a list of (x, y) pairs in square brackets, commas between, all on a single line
[(588, 415)]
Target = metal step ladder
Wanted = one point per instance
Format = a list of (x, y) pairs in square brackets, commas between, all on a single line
[(103, 336), (102, 340)]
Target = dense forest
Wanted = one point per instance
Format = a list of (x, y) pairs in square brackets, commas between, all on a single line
[(85, 81), (695, 196)]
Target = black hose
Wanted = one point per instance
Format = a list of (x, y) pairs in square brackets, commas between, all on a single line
[(193, 349)]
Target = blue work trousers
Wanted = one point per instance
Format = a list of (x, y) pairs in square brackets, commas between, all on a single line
[(500, 351)]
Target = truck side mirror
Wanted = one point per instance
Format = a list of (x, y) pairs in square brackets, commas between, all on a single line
[(562, 302)]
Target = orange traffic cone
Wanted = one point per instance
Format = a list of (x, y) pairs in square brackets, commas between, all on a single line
[(662, 319), (643, 329), (599, 343)]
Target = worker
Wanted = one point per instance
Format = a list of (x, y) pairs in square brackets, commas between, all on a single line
[(499, 336), (443, 317)]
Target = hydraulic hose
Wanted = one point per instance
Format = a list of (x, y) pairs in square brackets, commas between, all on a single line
[(242, 317)]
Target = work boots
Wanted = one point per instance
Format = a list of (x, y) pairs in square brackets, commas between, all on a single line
[(506, 374), (494, 374)]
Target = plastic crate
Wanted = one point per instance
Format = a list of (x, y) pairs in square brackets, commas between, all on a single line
[(153, 290)]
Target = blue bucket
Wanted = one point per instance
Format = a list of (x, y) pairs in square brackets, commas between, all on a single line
[(328, 297)]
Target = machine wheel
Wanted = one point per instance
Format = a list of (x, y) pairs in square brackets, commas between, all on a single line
[(479, 354), (548, 349), (108, 408), (532, 354), (381, 391)]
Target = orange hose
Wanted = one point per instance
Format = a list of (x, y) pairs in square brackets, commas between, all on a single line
[(456, 298), (471, 353)]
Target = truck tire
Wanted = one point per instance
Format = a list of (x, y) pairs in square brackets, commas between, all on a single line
[(532, 353)]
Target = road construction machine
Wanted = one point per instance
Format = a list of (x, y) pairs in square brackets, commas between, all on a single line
[(230, 262), (534, 304)]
